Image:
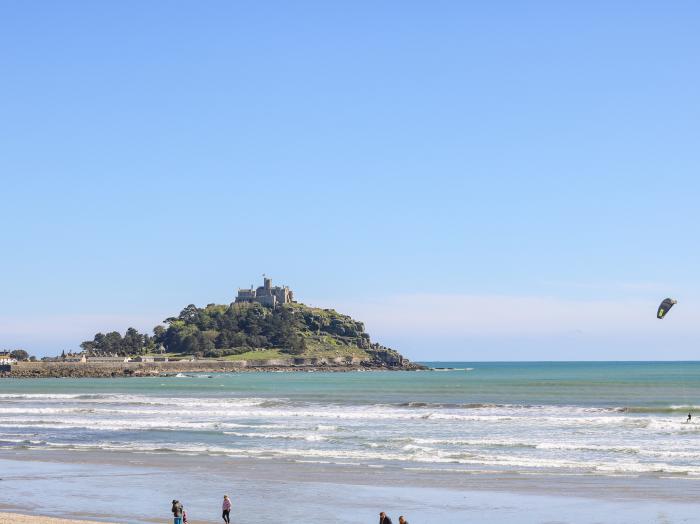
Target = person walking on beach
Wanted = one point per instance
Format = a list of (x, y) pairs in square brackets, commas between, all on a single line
[(402, 520), (226, 509), (177, 512), (384, 519)]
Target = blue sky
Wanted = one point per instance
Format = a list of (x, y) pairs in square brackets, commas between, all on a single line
[(406, 162)]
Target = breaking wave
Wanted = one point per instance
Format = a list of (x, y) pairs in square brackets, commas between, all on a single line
[(476, 435)]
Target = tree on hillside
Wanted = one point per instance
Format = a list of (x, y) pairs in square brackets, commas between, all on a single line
[(132, 342), (190, 314), (19, 354), (220, 330)]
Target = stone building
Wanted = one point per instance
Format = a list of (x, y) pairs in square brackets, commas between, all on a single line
[(111, 360), (266, 294), (75, 357)]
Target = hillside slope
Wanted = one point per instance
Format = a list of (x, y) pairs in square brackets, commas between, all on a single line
[(253, 331)]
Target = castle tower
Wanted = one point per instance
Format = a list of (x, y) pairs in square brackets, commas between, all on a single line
[(266, 294)]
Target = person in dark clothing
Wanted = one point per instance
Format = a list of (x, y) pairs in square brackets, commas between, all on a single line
[(177, 512), (402, 520), (226, 510), (689, 417), (384, 519)]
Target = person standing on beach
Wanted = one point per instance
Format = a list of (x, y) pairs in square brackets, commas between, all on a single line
[(226, 509), (384, 519), (177, 512)]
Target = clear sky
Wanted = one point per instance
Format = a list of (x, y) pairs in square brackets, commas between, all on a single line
[(474, 180)]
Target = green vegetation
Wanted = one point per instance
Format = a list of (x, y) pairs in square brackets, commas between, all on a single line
[(17, 354), (319, 352), (132, 343), (244, 331), (258, 354)]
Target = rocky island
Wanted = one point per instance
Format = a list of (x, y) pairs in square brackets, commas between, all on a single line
[(263, 329)]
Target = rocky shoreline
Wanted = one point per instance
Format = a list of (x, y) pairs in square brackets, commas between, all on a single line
[(148, 369)]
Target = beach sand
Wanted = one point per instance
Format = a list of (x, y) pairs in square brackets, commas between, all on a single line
[(16, 518)]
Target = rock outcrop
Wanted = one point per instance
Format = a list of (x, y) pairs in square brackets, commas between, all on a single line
[(140, 369)]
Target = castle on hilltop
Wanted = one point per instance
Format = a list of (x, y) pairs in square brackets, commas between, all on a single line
[(266, 294)]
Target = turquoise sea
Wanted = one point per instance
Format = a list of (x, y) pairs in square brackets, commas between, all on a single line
[(596, 420), (595, 416)]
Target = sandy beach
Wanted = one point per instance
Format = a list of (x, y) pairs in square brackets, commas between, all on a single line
[(16, 518)]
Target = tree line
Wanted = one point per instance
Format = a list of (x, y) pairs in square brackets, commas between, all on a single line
[(132, 343), (18, 354), (219, 330)]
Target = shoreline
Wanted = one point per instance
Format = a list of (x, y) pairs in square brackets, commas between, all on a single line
[(597, 486), (24, 518), (26, 370), (74, 484)]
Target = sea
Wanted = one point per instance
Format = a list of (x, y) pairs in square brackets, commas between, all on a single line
[(468, 428)]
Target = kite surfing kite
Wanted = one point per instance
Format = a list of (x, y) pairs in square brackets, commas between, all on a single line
[(665, 306)]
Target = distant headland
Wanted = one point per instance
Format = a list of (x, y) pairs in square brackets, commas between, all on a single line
[(262, 329)]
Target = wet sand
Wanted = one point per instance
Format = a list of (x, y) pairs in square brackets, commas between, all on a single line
[(16, 518), (115, 464), (138, 487)]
